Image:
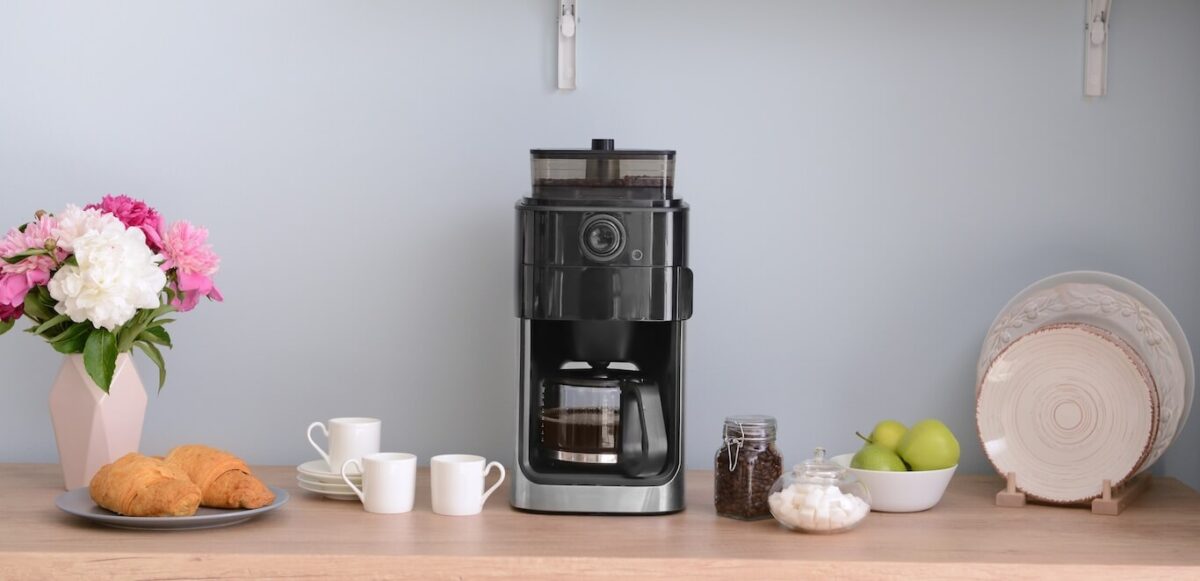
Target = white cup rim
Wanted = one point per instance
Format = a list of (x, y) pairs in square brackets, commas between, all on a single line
[(457, 458), (354, 420), (390, 457)]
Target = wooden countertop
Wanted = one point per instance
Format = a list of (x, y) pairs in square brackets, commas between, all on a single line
[(963, 537)]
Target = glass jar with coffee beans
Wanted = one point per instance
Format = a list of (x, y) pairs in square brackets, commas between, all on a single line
[(747, 464)]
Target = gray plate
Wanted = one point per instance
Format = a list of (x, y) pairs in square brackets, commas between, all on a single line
[(79, 503)]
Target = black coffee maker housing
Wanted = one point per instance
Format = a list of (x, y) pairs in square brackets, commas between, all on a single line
[(603, 290)]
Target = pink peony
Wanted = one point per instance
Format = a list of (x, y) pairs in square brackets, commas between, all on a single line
[(8, 313), (14, 287), (17, 279), (187, 251), (134, 214)]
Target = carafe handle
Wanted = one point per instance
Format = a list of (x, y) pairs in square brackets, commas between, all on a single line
[(643, 430)]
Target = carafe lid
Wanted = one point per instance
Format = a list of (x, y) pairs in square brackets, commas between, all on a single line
[(595, 377), (603, 172)]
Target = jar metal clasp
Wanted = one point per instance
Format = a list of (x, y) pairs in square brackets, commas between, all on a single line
[(730, 442)]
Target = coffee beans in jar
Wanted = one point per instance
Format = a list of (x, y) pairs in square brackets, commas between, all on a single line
[(747, 464)]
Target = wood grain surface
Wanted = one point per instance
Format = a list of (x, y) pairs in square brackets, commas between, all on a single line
[(965, 536)]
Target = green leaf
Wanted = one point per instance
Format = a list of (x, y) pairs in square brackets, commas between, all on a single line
[(18, 257), (128, 333), (53, 322), (73, 343), (156, 335), (71, 340), (159, 323), (43, 293), (70, 332), (6, 325), (100, 357), (156, 356), (133, 329), (71, 261), (36, 308)]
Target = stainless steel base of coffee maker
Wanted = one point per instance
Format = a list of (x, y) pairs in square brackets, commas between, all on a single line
[(592, 499)]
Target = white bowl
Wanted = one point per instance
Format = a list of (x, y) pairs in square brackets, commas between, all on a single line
[(901, 491)]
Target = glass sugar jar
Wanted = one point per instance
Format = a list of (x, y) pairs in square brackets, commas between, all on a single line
[(746, 466), (818, 496)]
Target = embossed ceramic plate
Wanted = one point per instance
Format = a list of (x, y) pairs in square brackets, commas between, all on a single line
[(1117, 305), (79, 503), (1065, 408)]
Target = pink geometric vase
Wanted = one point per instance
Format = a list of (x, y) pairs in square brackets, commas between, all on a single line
[(93, 428)]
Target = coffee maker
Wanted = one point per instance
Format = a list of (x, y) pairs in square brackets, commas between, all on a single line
[(603, 290)]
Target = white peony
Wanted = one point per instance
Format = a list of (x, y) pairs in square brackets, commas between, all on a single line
[(75, 222), (117, 275)]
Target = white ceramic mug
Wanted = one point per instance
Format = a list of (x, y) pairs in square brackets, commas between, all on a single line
[(388, 481), (457, 483), (349, 439)]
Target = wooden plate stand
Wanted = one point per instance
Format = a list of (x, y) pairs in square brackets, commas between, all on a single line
[(1112, 501)]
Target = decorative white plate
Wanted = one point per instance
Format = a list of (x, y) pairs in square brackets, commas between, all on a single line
[(318, 470), (1122, 307), (1066, 407), (79, 503)]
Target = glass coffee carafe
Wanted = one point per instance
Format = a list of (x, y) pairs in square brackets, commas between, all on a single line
[(604, 418)]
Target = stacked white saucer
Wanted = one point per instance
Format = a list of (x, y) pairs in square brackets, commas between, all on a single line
[(315, 476)]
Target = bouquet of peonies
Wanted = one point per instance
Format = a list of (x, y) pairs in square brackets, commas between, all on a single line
[(100, 280)]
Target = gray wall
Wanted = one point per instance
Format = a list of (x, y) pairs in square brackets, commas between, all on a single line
[(870, 183)]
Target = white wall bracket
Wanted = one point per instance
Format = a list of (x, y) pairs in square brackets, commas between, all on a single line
[(1095, 53), (568, 22)]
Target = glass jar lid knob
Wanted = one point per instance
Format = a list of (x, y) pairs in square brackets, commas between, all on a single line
[(819, 467)]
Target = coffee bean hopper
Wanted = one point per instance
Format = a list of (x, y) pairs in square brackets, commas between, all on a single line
[(603, 290)]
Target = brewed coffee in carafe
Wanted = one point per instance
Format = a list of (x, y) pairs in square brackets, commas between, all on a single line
[(581, 418), (581, 430), (603, 420)]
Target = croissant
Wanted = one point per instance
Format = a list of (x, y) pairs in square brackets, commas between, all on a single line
[(224, 479), (137, 485)]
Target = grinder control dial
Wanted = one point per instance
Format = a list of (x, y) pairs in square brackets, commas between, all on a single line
[(602, 237)]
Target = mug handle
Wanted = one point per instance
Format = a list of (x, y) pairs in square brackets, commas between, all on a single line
[(347, 478), (325, 431), (486, 470)]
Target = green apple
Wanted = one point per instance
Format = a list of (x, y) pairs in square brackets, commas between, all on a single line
[(887, 433), (877, 457), (929, 445)]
